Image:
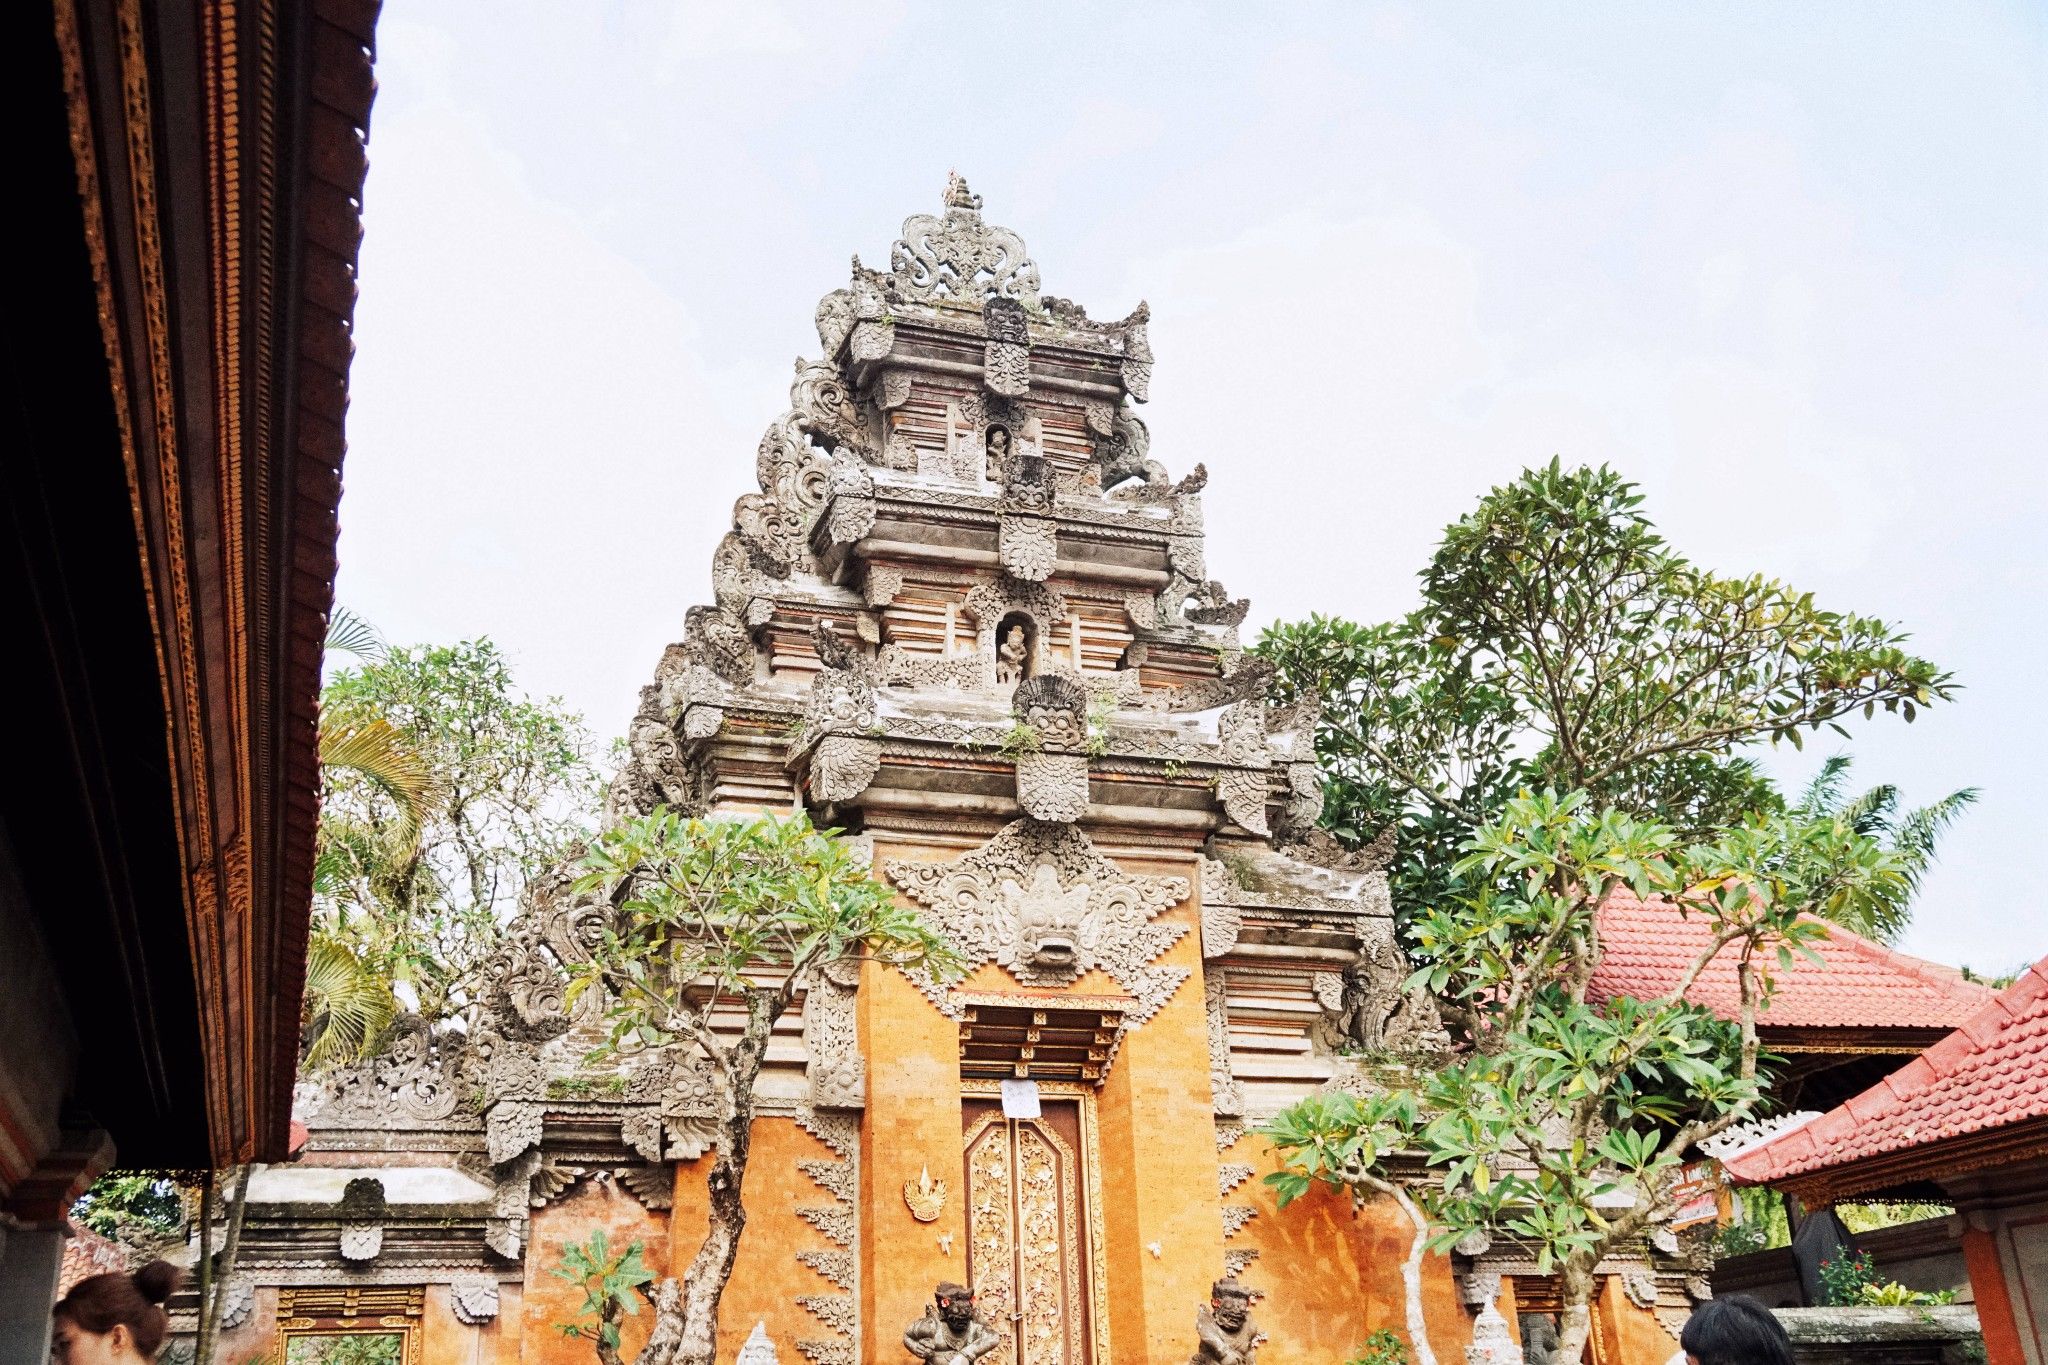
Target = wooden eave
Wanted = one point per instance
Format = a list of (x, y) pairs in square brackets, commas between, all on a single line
[(220, 150), (1935, 1163)]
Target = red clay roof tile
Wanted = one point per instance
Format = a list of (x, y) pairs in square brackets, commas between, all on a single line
[(1646, 947), (1990, 1073)]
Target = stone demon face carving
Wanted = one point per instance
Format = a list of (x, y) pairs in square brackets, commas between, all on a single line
[(1048, 919), (956, 1305), (1230, 1303)]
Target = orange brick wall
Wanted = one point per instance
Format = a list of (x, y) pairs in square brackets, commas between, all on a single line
[(548, 1300)]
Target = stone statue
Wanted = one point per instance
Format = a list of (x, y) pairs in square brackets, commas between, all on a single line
[(1539, 1338), (1010, 657), (949, 1333), (1224, 1330), (997, 443)]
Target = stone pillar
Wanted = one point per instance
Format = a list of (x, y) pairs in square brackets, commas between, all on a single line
[(30, 1261), (1162, 1218)]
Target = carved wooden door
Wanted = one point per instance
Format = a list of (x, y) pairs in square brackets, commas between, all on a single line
[(1027, 1233)]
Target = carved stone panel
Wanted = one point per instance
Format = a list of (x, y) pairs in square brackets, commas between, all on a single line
[(1053, 787), (1028, 546), (1041, 902)]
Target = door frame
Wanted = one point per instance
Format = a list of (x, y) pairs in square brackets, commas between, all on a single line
[(1095, 1271)]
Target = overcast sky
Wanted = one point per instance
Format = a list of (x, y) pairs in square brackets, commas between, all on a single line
[(1781, 263)]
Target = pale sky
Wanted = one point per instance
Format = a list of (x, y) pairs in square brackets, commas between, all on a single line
[(1781, 263)]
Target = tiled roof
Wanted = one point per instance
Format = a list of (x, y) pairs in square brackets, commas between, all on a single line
[(86, 1254), (1647, 946), (1992, 1072)]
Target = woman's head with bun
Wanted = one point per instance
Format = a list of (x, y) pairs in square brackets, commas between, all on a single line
[(114, 1319)]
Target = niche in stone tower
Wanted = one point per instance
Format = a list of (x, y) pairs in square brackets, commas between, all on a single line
[(1016, 648)]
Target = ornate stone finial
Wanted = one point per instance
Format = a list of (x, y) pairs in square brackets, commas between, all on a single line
[(757, 1349), (1224, 1331), (1492, 1343), (958, 196), (959, 257), (949, 1333)]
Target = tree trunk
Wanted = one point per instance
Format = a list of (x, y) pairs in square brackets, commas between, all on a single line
[(214, 1291), (704, 1282), (203, 1350), (1575, 1322), (1411, 1269)]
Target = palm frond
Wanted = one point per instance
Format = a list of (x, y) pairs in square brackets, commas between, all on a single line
[(348, 633), (1824, 793), (1871, 813), (1918, 831), (379, 752), (348, 1006)]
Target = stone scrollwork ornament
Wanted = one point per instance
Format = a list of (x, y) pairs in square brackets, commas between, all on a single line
[(1039, 900), (838, 1072), (959, 257)]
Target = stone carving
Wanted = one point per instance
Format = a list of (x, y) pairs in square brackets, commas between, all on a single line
[(850, 514), (1492, 1343), (238, 1301), (1213, 606), (474, 1299), (718, 640), (1126, 454), (1243, 794), (881, 585), (1640, 1286), (1137, 366), (1053, 787), (362, 1212), (1006, 364), (839, 1178), (1222, 920), (1235, 1216), (757, 1349), (988, 603), (410, 1083), (1225, 1093), (823, 408), (837, 1072), (1230, 1175), (1055, 706), (1188, 574), (1013, 657), (1028, 546), (967, 672), (842, 699), (949, 1333), (961, 258), (1251, 679), (1041, 902), (842, 766), (1539, 1338), (1224, 1332), (924, 1196), (871, 341)]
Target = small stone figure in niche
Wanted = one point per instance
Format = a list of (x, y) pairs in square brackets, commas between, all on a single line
[(1224, 1329), (1012, 656), (949, 1333), (995, 444)]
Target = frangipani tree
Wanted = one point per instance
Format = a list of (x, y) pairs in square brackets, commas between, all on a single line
[(720, 925), (1562, 1121)]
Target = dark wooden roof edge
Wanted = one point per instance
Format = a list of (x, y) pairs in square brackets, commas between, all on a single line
[(335, 86)]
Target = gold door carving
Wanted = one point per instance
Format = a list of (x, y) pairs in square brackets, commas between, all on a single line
[(1027, 1245)]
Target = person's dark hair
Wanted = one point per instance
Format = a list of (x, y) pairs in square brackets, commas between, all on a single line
[(100, 1303), (1736, 1330)]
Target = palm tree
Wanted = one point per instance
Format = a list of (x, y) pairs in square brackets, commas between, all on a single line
[(1910, 834), (348, 1003)]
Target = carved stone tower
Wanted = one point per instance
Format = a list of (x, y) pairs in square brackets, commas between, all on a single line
[(967, 617)]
